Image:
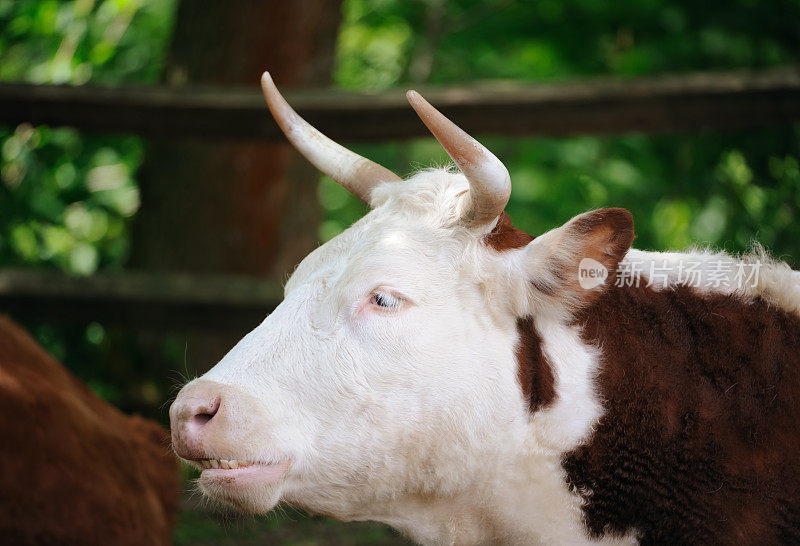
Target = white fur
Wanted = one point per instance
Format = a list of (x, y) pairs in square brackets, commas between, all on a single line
[(718, 272)]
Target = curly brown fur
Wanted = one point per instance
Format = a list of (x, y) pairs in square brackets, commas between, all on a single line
[(699, 442)]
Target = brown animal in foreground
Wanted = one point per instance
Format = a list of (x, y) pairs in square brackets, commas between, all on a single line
[(74, 469)]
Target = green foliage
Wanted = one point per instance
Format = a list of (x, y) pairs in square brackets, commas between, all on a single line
[(556, 39), (102, 41), (66, 199)]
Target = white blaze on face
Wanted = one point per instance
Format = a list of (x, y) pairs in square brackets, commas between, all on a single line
[(381, 374)]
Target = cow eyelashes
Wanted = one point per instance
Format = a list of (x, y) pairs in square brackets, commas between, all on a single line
[(384, 300)]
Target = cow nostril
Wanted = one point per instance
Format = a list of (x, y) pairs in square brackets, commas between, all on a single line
[(205, 413), (191, 417), (202, 418)]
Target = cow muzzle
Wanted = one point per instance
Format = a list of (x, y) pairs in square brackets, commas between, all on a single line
[(197, 418), (208, 431)]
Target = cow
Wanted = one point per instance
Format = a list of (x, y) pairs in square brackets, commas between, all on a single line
[(74, 469), (436, 369)]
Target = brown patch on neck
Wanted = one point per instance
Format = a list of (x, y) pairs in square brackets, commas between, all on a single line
[(504, 236), (698, 443), (534, 372)]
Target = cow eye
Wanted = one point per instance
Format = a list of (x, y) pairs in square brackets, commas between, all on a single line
[(387, 301)]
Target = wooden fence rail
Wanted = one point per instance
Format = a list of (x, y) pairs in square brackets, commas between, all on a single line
[(142, 300), (686, 102)]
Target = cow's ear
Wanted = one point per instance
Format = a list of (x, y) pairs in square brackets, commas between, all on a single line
[(573, 264)]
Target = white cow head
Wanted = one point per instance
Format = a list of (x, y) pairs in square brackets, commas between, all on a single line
[(388, 375)]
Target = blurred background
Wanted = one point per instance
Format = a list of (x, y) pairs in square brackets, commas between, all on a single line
[(142, 233)]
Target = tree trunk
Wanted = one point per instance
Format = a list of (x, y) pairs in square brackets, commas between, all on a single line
[(234, 207)]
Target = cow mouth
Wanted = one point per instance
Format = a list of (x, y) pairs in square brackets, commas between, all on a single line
[(225, 464), (235, 472)]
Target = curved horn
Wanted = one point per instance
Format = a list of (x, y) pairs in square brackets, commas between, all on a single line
[(357, 174), (489, 182)]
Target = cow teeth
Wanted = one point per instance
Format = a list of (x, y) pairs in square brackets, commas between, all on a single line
[(225, 464)]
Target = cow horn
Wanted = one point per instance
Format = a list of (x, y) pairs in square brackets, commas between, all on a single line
[(357, 174), (489, 182)]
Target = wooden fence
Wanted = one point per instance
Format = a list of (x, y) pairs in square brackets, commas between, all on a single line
[(139, 299), (687, 102)]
